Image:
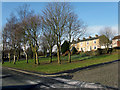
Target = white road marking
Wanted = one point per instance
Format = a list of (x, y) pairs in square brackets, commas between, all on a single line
[(73, 82), (61, 79), (31, 82), (68, 81), (38, 81)]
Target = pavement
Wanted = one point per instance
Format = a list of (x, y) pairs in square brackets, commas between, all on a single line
[(105, 74), (12, 79)]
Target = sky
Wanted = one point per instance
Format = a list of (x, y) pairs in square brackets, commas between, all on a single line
[(95, 14)]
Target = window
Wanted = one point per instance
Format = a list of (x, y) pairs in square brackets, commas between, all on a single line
[(94, 41), (94, 47), (87, 43), (81, 44), (90, 48)]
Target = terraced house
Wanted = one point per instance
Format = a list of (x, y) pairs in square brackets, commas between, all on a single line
[(88, 44)]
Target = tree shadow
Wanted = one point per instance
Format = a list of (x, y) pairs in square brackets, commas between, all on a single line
[(5, 76)]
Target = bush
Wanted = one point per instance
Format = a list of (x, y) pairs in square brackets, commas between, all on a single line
[(93, 53), (74, 50), (40, 53), (65, 47), (88, 53), (82, 54), (114, 50), (104, 51), (110, 50), (78, 52)]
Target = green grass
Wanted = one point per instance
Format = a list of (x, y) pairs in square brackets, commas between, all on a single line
[(46, 67)]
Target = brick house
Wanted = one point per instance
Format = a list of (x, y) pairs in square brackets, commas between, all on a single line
[(116, 41)]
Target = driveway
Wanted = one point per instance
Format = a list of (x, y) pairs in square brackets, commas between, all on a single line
[(105, 75)]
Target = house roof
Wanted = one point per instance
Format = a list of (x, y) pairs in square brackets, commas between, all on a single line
[(116, 37), (85, 40)]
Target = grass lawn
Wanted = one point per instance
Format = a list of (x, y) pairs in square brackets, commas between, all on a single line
[(54, 67)]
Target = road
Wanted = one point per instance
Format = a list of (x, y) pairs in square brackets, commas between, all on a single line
[(105, 75), (13, 79)]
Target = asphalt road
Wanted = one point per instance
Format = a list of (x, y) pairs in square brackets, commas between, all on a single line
[(105, 75), (13, 79)]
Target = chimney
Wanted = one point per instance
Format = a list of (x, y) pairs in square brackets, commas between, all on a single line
[(90, 37), (78, 39), (83, 38), (96, 35)]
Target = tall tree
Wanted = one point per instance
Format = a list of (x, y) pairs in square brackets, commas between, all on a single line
[(50, 41), (43, 45), (33, 25), (106, 36), (64, 47), (75, 29), (13, 36), (4, 41), (55, 17), (23, 13)]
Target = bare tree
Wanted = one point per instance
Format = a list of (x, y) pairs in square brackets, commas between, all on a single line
[(55, 17), (19, 38), (75, 29), (33, 25), (50, 41), (24, 12), (4, 41), (108, 32), (107, 35), (43, 45), (13, 36)]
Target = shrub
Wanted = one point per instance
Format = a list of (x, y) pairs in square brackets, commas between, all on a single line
[(93, 53), (74, 50), (88, 53), (82, 54), (78, 52), (40, 53), (66, 53), (65, 47)]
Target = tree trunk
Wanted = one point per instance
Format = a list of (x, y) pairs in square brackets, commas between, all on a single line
[(34, 57), (107, 48), (19, 54), (50, 54), (2, 61), (25, 53), (17, 57), (9, 57), (14, 59), (69, 57), (3, 52), (26, 57), (37, 58), (58, 54), (3, 57)]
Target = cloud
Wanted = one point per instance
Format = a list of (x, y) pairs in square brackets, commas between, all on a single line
[(92, 30)]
